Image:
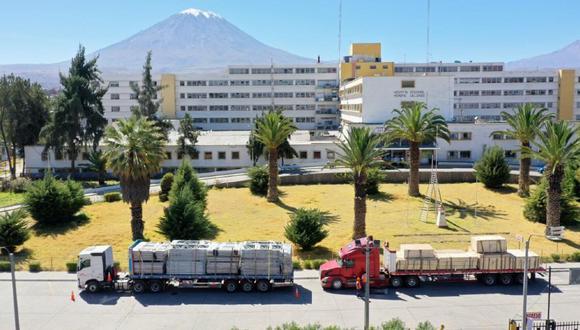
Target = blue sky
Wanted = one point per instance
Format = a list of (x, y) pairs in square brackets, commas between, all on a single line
[(43, 31)]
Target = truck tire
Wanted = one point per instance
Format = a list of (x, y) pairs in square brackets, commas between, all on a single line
[(231, 286), (139, 287), (247, 286), (412, 281), (520, 278), (263, 286), (155, 286), (336, 284), (93, 286), (489, 279), (506, 279), (396, 281)]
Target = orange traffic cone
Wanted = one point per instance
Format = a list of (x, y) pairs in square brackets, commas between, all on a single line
[(72, 296), (296, 293)]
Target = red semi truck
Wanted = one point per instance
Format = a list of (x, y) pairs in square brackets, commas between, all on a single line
[(343, 272)]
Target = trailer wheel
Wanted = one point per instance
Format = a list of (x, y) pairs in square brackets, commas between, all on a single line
[(155, 286), (93, 286), (520, 278), (489, 279), (412, 281), (263, 286), (336, 284), (247, 286), (396, 281), (138, 287), (231, 286), (506, 279)]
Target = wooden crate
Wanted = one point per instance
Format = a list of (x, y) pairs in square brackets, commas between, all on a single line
[(488, 244)]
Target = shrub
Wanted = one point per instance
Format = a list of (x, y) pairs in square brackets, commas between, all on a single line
[(306, 227), (374, 178), (535, 206), (296, 265), (317, 263), (492, 169), (5, 266), (18, 185), (258, 180), (13, 229), (112, 197), (51, 201), (186, 176), (185, 218), (307, 264), (71, 267), (425, 326), (165, 185), (394, 324), (555, 257), (34, 267)]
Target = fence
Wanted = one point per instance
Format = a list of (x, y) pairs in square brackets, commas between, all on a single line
[(547, 325)]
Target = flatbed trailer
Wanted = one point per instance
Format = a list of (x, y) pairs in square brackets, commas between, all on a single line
[(96, 271)]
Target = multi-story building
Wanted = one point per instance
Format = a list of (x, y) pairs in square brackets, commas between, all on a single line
[(232, 99)]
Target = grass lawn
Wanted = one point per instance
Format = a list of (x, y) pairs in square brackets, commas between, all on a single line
[(240, 216), (8, 199)]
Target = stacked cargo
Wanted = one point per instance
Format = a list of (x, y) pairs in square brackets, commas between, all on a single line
[(270, 258), (456, 260), (492, 252), (519, 257), (149, 258), (223, 258), (187, 257), (416, 257)]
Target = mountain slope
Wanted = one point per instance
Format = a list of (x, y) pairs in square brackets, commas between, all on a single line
[(190, 40), (567, 57)]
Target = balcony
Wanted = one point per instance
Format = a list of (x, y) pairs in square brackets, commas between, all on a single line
[(328, 85), (326, 98), (327, 111)]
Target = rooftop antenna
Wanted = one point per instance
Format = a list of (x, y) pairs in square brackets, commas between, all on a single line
[(339, 32), (428, 30)]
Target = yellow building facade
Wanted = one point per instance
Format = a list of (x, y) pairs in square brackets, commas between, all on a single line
[(365, 61), (566, 94)]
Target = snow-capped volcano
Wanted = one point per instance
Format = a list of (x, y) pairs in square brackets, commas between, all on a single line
[(567, 57), (190, 40)]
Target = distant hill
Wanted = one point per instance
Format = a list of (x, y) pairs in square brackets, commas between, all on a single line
[(190, 40), (567, 57)]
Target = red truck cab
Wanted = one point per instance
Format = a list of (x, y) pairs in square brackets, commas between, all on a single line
[(351, 263)]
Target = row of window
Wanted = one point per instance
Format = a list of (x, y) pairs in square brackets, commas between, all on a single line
[(499, 80), (282, 70), (466, 154), (261, 82), (284, 107), (448, 68), (244, 120), (498, 105), (115, 83), (258, 95), (507, 92)]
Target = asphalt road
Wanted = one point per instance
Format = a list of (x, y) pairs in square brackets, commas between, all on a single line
[(45, 303)]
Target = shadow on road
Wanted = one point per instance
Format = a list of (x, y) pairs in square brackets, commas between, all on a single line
[(174, 296)]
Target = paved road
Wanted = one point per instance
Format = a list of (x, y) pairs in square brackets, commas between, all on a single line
[(46, 305)]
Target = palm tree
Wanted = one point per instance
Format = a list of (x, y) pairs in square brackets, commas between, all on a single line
[(523, 125), (135, 149), (416, 124), (359, 153), (558, 145), (97, 164), (272, 130)]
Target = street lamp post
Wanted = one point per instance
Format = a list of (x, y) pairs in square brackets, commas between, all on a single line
[(15, 299), (525, 307), (367, 285)]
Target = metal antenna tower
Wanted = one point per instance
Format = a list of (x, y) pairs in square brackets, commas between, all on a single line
[(428, 30)]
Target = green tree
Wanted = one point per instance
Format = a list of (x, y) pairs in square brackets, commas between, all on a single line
[(258, 180), (523, 126), (285, 151), (187, 136), (272, 130), (359, 152), (14, 230), (416, 124), (557, 145), (98, 164), (165, 185), (186, 177), (492, 169), (135, 150), (255, 148), (23, 113), (77, 119), (535, 206), (306, 227)]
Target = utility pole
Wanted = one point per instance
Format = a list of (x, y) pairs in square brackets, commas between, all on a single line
[(14, 297), (525, 304), (549, 293), (367, 282)]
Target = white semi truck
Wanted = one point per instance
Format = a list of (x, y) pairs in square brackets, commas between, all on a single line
[(245, 266)]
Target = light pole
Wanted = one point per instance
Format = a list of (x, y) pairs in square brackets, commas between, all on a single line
[(367, 281), (15, 300), (525, 291)]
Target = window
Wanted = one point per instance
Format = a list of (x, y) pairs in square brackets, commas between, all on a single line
[(132, 96), (305, 94), (283, 94), (304, 119), (182, 95), (491, 93), (218, 83), (221, 155), (115, 108), (113, 84), (303, 154), (196, 95), (218, 108), (239, 83), (285, 107), (239, 95), (261, 95), (114, 96), (219, 120), (235, 155), (403, 69), (285, 70), (494, 105), (241, 120), (326, 70), (168, 155), (513, 80), (207, 155), (200, 120), (513, 92), (304, 70), (58, 154), (493, 68), (460, 136), (317, 155), (44, 155), (261, 82), (195, 155), (499, 136), (491, 80), (261, 71), (330, 155), (536, 79), (305, 106), (511, 105), (467, 80), (182, 108), (407, 83), (261, 107), (218, 95), (240, 108), (469, 68), (284, 82), (182, 83), (373, 67), (447, 69), (305, 82), (468, 93), (456, 155), (425, 69), (85, 263), (239, 71), (510, 153), (196, 83), (536, 92), (197, 108), (180, 155)]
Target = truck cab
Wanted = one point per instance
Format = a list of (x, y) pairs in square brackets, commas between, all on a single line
[(94, 267), (351, 264)]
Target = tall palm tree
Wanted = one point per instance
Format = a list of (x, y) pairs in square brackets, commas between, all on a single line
[(523, 125), (557, 145), (272, 130), (416, 124), (359, 153), (135, 149)]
